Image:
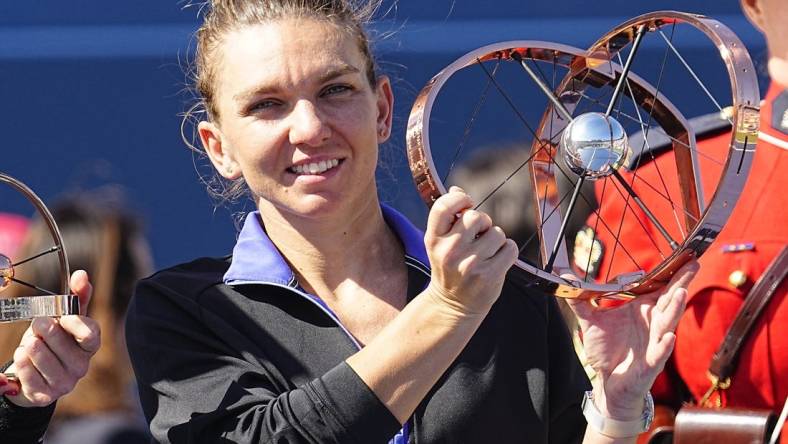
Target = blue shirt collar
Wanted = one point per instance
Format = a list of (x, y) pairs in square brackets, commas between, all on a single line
[(256, 259)]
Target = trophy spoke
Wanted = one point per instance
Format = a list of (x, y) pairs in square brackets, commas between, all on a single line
[(541, 224), (519, 168), (627, 66), (544, 88), (693, 188), (591, 100), (645, 137), (628, 206), (49, 250), (692, 72), (656, 164), (617, 241), (472, 120), (525, 122), (507, 178), (598, 216), (559, 239), (670, 202), (508, 100), (29, 285), (639, 202)]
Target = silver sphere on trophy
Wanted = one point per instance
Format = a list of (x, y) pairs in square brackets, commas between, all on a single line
[(594, 145)]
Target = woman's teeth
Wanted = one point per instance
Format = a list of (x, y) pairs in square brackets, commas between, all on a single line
[(315, 167)]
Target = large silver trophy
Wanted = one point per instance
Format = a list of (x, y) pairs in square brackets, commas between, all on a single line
[(51, 302)]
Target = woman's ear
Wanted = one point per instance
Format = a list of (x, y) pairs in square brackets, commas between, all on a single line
[(385, 104), (752, 9), (218, 150)]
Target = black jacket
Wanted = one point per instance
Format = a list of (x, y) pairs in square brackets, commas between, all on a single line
[(260, 363)]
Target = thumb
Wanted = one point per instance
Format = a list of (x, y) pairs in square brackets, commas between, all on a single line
[(80, 285)]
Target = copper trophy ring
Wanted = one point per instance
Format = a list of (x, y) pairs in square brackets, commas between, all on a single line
[(608, 111)]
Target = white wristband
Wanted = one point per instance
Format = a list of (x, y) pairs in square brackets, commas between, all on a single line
[(613, 427)]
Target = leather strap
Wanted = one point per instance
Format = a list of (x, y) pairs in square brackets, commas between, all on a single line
[(724, 361), (697, 425)]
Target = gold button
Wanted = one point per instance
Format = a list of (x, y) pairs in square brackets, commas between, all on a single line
[(737, 278)]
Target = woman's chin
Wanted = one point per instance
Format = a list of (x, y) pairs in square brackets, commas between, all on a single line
[(313, 206)]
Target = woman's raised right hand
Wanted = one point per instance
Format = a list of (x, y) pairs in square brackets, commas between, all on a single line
[(468, 255)]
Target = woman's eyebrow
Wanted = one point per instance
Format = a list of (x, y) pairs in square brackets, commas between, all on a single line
[(338, 72)]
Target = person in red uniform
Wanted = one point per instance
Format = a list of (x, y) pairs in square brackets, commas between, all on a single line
[(753, 236)]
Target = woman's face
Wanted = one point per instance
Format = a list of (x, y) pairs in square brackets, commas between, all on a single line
[(298, 117)]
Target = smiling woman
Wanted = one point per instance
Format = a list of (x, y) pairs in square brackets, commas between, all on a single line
[(335, 319), (301, 101)]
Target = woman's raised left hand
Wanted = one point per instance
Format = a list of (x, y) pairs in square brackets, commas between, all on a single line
[(628, 345), (53, 353)]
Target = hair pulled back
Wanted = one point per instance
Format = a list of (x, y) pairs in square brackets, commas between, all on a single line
[(221, 17)]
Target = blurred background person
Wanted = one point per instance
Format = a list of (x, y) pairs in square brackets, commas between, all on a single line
[(106, 240), (12, 231), (754, 235)]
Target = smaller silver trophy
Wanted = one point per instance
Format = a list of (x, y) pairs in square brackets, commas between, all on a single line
[(50, 303)]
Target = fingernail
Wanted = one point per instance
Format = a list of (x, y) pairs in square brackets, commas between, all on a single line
[(11, 393), (2, 383)]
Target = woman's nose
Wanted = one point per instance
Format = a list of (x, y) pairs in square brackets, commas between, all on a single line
[(308, 126)]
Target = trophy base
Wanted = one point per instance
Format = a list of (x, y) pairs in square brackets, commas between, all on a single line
[(29, 307)]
